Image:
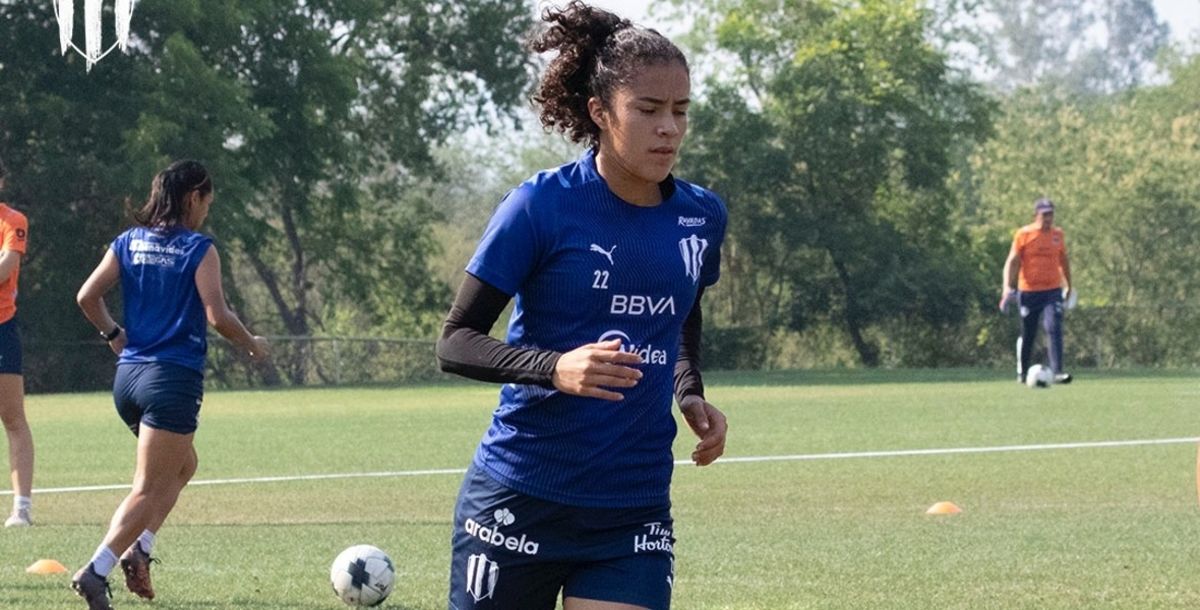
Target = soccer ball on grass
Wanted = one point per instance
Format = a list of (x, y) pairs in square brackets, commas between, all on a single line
[(1039, 376), (362, 575)]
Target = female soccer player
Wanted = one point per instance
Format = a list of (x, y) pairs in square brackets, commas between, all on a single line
[(13, 234), (170, 279), (607, 257)]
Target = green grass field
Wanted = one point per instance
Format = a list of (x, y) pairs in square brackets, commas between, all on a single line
[(1091, 527)]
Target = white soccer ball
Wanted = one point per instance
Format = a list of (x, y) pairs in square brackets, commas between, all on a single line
[(362, 575), (1039, 376)]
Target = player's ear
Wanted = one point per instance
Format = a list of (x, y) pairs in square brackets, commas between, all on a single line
[(598, 112), (189, 203)]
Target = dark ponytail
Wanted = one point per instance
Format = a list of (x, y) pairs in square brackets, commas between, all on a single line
[(168, 193), (597, 52)]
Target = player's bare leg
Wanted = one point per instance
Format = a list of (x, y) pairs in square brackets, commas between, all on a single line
[(161, 456), (20, 443), (135, 562), (579, 603)]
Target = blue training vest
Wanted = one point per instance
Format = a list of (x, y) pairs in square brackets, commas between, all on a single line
[(164, 317)]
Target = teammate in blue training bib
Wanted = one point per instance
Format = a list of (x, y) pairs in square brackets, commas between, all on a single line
[(170, 277), (607, 258)]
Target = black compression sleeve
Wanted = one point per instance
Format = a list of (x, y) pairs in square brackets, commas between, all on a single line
[(687, 367), (466, 349)]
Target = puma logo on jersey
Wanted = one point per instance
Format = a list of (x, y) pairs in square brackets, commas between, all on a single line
[(607, 253)]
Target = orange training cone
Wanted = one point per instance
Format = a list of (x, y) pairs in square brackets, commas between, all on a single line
[(944, 508), (46, 566)]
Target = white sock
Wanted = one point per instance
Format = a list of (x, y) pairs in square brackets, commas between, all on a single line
[(146, 540), (103, 561), (22, 503)]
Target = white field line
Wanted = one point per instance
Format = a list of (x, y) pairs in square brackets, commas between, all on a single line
[(723, 460)]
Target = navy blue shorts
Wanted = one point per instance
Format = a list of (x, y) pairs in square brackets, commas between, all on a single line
[(515, 552), (10, 348), (161, 395)]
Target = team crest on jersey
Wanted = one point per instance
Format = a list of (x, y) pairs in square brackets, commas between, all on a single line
[(692, 249), (482, 574)]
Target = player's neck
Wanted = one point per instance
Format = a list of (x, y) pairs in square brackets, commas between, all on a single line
[(625, 184)]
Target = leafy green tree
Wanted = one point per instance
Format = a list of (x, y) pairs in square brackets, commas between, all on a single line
[(314, 116), (1079, 46), (833, 141)]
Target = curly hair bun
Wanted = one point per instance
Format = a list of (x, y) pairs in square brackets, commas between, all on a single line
[(597, 51)]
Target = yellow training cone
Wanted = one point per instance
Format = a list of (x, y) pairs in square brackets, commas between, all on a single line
[(46, 566), (944, 508)]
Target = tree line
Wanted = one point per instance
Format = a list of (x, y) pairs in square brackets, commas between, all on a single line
[(876, 156)]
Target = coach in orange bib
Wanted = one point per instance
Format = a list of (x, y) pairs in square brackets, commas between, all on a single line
[(1038, 258), (13, 229)]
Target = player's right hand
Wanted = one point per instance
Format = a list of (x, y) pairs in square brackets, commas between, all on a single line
[(588, 369), (1006, 298), (259, 349)]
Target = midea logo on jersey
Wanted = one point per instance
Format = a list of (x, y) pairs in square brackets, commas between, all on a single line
[(647, 353), (495, 537), (638, 305), (692, 248), (482, 574)]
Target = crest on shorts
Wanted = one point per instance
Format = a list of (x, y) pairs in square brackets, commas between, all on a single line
[(482, 574)]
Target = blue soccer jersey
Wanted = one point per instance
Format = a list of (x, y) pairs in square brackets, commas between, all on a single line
[(586, 266), (164, 317)]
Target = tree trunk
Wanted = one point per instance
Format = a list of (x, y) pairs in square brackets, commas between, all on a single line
[(868, 354), (300, 359), (289, 317)]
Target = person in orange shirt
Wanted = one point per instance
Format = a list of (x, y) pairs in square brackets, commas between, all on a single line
[(13, 229), (1038, 265)]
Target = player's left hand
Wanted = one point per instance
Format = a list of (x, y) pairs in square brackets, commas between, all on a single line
[(118, 344), (709, 424)]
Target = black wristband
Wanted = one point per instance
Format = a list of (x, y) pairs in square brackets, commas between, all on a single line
[(112, 334)]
